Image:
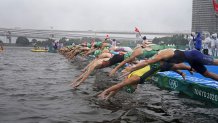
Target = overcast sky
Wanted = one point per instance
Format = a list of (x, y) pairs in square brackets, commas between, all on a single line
[(116, 15)]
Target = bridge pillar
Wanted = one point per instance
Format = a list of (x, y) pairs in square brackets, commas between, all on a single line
[(8, 35)]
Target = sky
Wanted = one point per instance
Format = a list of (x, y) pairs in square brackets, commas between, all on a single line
[(98, 15)]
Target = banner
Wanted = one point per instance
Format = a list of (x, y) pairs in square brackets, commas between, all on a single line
[(187, 87), (215, 5)]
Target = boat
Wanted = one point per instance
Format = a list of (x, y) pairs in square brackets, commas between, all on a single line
[(195, 86), (39, 50)]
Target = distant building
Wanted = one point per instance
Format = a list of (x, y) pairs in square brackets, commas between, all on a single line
[(205, 15)]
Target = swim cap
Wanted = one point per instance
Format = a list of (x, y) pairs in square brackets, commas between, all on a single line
[(89, 45), (98, 44), (155, 65), (144, 38), (129, 89), (127, 55), (97, 52), (105, 50)]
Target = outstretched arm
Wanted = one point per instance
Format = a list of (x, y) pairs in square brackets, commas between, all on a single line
[(112, 93), (83, 77), (91, 63), (136, 53), (90, 52), (115, 88), (163, 54), (137, 66)]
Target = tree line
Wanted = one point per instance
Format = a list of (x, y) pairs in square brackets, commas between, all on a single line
[(175, 39)]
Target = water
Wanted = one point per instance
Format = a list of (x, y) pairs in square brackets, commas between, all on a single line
[(34, 88)]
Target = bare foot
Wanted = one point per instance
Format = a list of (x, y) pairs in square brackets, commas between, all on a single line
[(183, 75), (191, 71)]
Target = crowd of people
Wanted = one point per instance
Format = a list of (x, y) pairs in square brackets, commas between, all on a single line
[(206, 43), (140, 63)]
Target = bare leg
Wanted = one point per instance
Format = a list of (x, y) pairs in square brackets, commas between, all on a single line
[(211, 75), (182, 66), (215, 62), (163, 54), (205, 74)]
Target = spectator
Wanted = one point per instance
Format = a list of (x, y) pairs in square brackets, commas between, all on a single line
[(114, 43), (216, 45), (191, 43), (213, 44), (206, 44), (198, 42)]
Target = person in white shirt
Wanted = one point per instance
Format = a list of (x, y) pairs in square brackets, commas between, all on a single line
[(213, 44), (114, 43), (206, 43), (216, 45), (191, 41)]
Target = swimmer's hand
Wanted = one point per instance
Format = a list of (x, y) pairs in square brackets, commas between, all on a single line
[(103, 95), (75, 84)]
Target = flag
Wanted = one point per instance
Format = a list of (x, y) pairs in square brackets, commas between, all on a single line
[(136, 29), (107, 36), (138, 34)]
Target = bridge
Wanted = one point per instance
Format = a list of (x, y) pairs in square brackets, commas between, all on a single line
[(57, 34)]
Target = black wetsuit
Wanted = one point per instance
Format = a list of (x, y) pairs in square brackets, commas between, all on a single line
[(112, 61), (195, 58), (156, 67)]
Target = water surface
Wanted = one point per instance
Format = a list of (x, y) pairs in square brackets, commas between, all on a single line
[(34, 88)]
